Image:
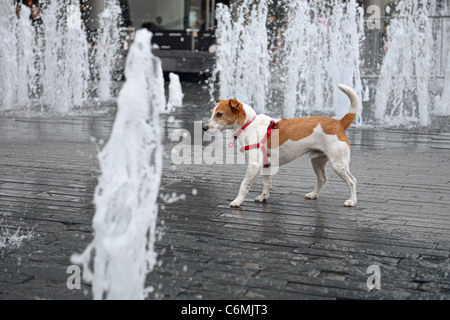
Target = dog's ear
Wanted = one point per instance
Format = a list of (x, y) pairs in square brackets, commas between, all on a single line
[(235, 105), (219, 100)]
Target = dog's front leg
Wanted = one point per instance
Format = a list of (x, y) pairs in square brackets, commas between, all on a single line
[(252, 171), (267, 184)]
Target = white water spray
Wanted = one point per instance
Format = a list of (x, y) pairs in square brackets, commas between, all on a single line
[(317, 48), (175, 92), (47, 65), (402, 94), (444, 108), (318, 45), (63, 60), (442, 103), (17, 69), (242, 58), (122, 251), (321, 49), (108, 48)]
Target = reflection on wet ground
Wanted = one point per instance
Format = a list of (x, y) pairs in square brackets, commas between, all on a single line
[(288, 248)]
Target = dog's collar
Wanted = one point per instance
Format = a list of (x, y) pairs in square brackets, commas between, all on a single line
[(239, 131)]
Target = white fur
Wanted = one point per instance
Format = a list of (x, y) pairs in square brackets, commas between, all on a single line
[(215, 127), (353, 96), (252, 134)]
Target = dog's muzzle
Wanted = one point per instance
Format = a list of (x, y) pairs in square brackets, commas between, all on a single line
[(205, 127)]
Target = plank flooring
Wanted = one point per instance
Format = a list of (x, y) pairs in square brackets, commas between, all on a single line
[(288, 248)]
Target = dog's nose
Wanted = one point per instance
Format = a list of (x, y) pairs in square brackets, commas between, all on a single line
[(205, 127)]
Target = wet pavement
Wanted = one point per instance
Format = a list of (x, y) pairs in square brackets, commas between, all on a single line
[(288, 248)]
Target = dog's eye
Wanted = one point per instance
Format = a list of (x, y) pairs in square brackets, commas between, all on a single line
[(218, 114)]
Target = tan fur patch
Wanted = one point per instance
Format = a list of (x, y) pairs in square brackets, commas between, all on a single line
[(230, 110), (300, 128)]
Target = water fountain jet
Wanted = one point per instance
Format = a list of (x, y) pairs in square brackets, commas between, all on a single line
[(46, 65), (316, 50), (316, 46), (403, 84), (122, 251)]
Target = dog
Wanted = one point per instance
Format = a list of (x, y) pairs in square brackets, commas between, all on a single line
[(323, 138)]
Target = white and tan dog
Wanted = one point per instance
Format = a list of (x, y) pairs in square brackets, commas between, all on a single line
[(323, 138)]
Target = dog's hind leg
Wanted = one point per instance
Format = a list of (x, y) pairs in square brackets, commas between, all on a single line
[(267, 184), (318, 164)]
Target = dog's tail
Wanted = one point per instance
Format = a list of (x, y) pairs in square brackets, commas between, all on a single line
[(347, 120)]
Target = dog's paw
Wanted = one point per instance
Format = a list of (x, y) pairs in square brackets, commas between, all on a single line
[(350, 203), (235, 204), (260, 199), (311, 196)]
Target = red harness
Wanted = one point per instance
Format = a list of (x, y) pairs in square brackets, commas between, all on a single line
[(272, 125)]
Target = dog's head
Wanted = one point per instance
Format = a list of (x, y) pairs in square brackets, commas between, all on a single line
[(224, 115)]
